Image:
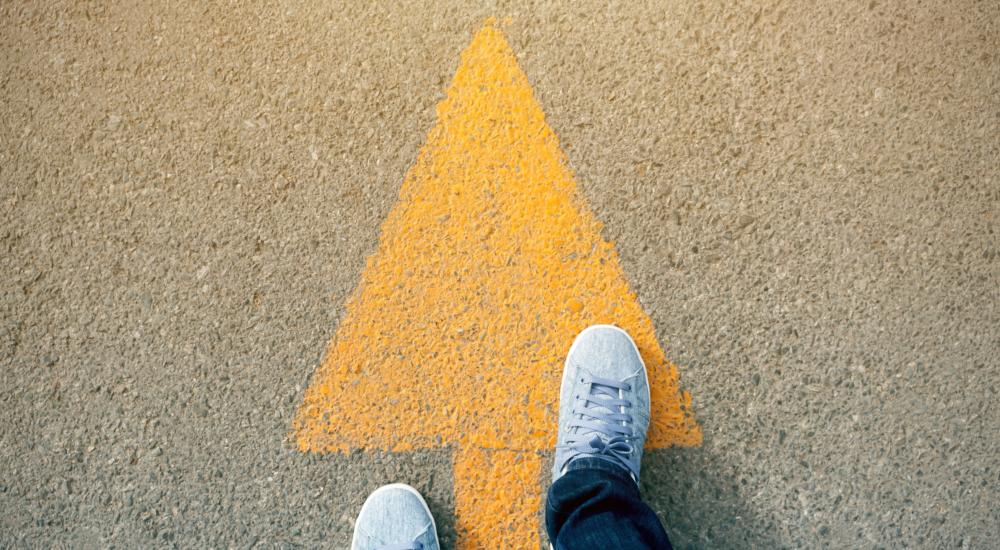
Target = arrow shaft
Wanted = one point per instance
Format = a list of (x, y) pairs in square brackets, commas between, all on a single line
[(497, 498)]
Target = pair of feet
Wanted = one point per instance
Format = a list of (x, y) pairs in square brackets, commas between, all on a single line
[(603, 413)]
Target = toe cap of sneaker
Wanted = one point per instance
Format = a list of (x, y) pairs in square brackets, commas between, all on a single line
[(605, 351), (394, 512)]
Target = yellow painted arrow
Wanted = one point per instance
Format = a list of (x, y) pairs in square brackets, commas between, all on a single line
[(486, 269)]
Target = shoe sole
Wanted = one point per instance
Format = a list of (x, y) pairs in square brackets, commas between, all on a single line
[(391, 486)]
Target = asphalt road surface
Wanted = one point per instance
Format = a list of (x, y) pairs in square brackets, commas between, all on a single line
[(805, 198)]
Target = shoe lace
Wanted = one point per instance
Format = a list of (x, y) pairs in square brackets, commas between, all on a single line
[(601, 425)]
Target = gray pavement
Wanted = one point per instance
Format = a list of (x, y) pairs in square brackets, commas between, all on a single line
[(805, 197)]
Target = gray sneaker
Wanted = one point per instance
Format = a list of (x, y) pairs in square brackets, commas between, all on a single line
[(604, 401), (395, 517)]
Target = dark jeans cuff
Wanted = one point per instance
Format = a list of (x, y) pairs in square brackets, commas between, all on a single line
[(603, 466)]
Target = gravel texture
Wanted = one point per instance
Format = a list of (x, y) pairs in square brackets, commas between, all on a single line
[(806, 198)]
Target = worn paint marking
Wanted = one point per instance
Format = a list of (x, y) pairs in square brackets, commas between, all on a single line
[(499, 497), (486, 269)]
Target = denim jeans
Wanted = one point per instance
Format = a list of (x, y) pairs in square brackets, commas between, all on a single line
[(595, 504)]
